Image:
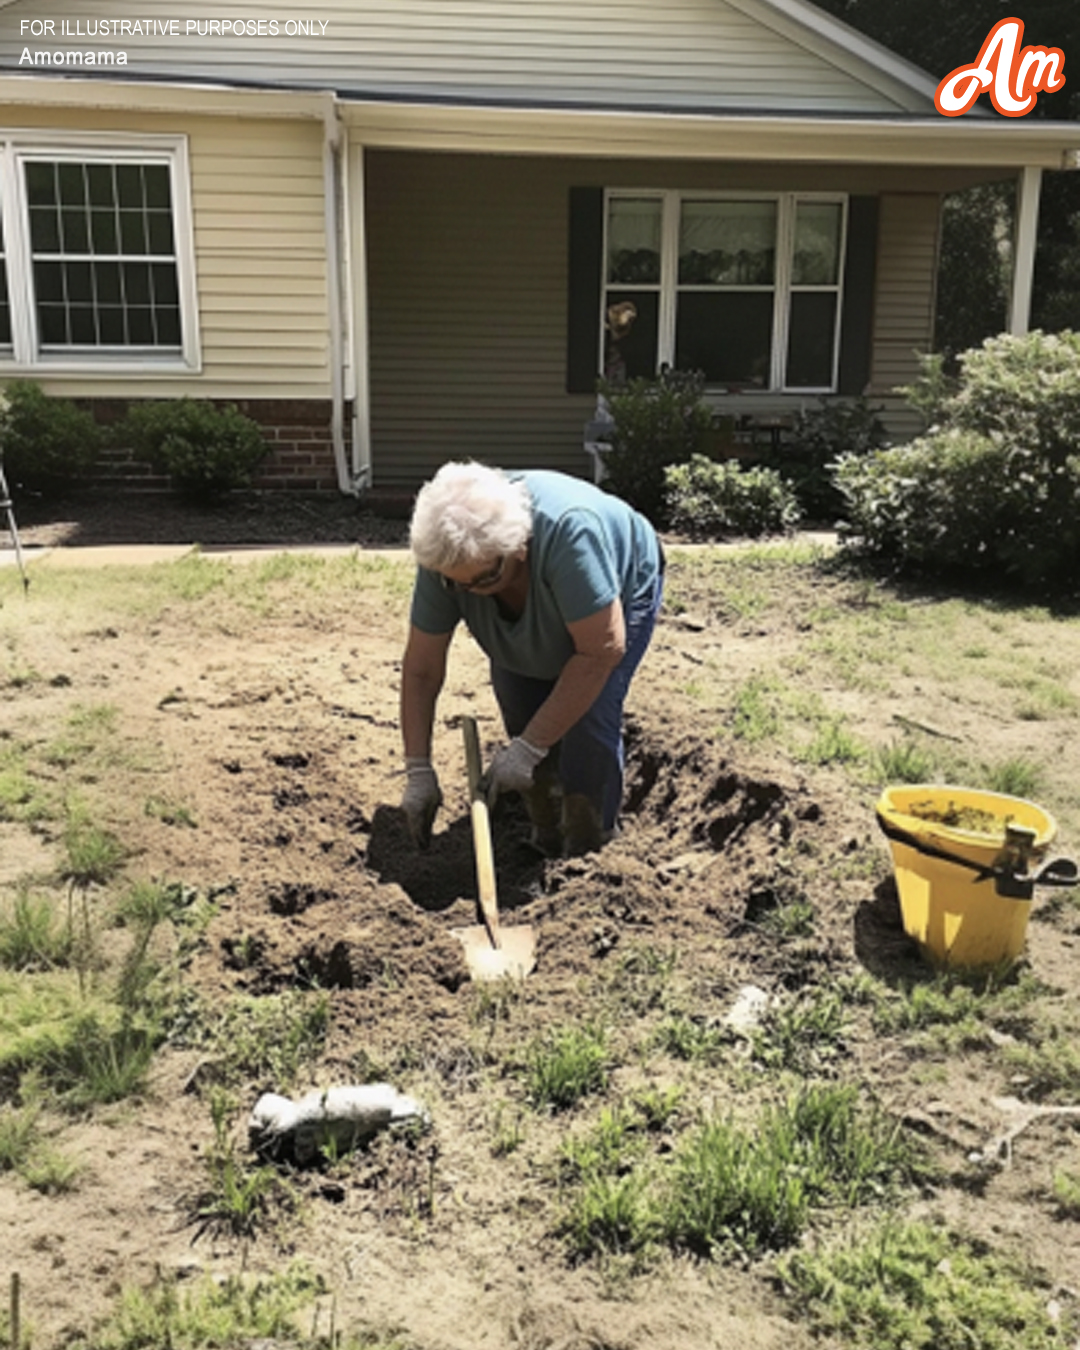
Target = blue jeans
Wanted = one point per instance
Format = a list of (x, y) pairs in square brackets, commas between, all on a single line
[(590, 756)]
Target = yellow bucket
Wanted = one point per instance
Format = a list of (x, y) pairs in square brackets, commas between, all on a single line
[(962, 860)]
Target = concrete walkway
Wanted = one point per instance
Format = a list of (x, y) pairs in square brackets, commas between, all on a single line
[(135, 555)]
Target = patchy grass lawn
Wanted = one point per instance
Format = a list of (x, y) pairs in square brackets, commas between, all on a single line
[(732, 1106)]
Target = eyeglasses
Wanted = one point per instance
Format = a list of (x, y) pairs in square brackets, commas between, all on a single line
[(480, 583)]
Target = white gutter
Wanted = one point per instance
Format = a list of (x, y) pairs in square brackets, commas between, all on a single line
[(331, 148), (968, 141), (143, 96), (944, 141), (357, 291)]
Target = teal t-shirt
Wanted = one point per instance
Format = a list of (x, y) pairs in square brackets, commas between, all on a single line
[(587, 547)]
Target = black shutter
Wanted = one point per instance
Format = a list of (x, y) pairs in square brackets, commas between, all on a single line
[(857, 319), (584, 280)]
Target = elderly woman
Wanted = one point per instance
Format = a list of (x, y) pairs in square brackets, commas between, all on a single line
[(560, 584)]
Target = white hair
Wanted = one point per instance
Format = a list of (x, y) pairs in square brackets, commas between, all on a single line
[(469, 513)]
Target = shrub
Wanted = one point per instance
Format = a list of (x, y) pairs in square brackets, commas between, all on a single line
[(657, 423), (206, 451), (47, 444), (819, 437), (1025, 390), (994, 489), (708, 500), (932, 388)]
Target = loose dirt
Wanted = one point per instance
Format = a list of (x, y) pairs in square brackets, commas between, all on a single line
[(281, 737)]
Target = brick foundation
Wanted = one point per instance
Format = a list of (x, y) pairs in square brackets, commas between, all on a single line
[(297, 431)]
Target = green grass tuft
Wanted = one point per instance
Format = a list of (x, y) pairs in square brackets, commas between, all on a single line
[(756, 1190), (269, 1039), (33, 937), (755, 715), (904, 761), (234, 1312), (803, 1034), (93, 856), (691, 1039), (1016, 777), (917, 1287), (566, 1065)]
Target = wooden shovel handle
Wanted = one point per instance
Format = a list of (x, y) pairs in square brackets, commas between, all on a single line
[(481, 828)]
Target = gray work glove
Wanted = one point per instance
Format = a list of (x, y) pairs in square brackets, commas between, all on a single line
[(511, 769), (421, 799)]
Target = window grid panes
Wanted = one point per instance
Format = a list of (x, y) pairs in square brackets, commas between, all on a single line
[(815, 289), (746, 290), (633, 272), (727, 275), (103, 255)]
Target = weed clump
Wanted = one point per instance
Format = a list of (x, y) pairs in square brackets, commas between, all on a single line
[(913, 1285), (566, 1065), (727, 1187)]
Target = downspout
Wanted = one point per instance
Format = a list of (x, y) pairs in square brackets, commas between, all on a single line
[(331, 179)]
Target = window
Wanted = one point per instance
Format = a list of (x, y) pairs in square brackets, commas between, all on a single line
[(745, 288), (99, 261)]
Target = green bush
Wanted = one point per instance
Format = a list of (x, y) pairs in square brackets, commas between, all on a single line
[(992, 490), (206, 451), (1024, 390), (819, 437), (657, 423), (708, 500), (47, 444)]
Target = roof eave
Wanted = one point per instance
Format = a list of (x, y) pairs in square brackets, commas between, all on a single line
[(486, 127)]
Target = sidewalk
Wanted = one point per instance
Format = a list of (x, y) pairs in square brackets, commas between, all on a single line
[(137, 555)]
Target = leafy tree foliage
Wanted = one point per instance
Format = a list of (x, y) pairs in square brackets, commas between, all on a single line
[(938, 38)]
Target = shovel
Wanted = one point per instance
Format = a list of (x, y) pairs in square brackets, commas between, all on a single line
[(491, 951)]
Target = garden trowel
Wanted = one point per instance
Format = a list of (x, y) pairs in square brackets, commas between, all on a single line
[(491, 951)]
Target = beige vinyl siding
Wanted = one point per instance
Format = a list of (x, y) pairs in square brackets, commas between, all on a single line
[(260, 257), (904, 309), (467, 264), (682, 54)]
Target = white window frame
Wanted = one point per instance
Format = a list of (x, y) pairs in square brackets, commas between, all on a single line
[(668, 287), (25, 354), (6, 348)]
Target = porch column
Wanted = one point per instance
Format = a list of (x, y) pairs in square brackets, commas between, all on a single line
[(1023, 271)]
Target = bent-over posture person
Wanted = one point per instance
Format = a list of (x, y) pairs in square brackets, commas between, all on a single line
[(560, 584)]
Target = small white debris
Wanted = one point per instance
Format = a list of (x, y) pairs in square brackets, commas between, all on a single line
[(750, 1006), (341, 1117)]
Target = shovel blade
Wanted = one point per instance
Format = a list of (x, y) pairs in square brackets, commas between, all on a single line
[(515, 955)]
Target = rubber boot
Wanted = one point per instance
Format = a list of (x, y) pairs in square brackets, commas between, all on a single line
[(542, 804), (582, 827)]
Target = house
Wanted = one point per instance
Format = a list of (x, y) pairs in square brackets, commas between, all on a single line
[(390, 230)]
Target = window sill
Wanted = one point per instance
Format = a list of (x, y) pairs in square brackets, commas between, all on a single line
[(145, 369)]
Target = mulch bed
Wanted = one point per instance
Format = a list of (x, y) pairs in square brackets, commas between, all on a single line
[(96, 517)]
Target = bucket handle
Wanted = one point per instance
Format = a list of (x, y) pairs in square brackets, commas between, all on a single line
[(1008, 881)]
